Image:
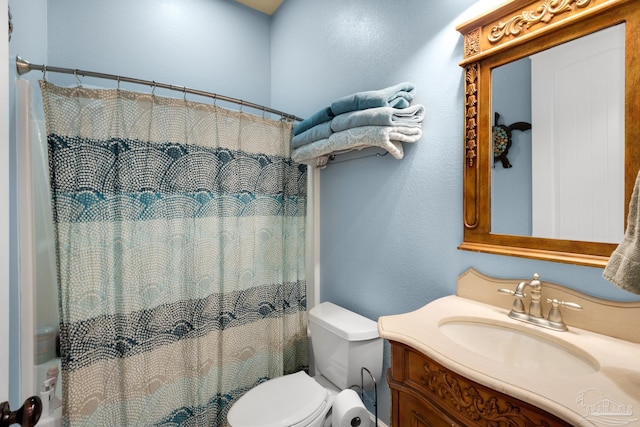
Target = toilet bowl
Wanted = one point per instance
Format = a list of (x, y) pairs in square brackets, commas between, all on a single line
[(291, 400), (342, 343)]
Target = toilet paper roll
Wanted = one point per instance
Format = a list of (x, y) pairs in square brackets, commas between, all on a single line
[(348, 410)]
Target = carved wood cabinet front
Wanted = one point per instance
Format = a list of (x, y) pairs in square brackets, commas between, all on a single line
[(426, 394)]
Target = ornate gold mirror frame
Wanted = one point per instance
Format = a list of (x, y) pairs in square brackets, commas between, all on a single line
[(512, 31)]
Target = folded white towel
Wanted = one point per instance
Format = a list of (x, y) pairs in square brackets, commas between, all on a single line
[(380, 116), (388, 137), (623, 268)]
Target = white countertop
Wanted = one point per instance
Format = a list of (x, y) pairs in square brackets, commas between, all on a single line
[(567, 396)]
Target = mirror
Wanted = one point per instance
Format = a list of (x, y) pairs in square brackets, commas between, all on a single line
[(517, 205), (560, 166)]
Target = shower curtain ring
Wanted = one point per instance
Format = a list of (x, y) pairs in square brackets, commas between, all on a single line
[(153, 88), (118, 87), (184, 93), (75, 74), (44, 72)]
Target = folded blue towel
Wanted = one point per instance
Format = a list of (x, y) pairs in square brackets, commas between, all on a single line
[(388, 137), (398, 96), (380, 116), (321, 131), (321, 116)]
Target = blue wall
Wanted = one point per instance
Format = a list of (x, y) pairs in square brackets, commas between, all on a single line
[(389, 229), (216, 46)]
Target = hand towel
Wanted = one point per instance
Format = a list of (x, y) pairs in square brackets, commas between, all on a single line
[(398, 96), (388, 137), (623, 268), (321, 131), (321, 116), (380, 116)]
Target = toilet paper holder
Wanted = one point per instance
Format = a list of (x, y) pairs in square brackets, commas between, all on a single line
[(363, 397)]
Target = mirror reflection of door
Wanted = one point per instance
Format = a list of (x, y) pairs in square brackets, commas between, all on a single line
[(576, 185), (578, 140)]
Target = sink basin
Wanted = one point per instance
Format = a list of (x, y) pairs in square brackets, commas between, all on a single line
[(519, 348), (579, 375)]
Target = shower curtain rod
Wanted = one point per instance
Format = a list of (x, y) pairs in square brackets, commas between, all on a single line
[(23, 66)]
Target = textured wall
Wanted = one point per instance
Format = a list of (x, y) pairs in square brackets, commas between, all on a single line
[(218, 46)]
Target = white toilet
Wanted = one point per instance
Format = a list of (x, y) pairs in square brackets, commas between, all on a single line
[(342, 343)]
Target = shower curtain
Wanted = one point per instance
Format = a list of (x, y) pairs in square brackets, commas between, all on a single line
[(180, 252)]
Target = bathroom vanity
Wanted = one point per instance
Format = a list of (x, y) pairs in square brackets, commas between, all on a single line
[(426, 394), (462, 361)]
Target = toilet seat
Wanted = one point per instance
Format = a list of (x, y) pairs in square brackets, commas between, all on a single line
[(293, 400)]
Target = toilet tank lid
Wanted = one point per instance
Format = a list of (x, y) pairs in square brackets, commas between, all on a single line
[(344, 323)]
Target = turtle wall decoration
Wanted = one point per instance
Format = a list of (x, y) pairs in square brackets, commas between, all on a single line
[(502, 139)]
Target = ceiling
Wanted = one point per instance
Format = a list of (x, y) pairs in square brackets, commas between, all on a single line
[(264, 6)]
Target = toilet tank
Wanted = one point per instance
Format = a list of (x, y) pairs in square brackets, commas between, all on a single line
[(342, 343)]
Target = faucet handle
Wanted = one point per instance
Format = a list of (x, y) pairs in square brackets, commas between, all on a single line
[(556, 304), (517, 294), (512, 293), (554, 314), (517, 306), (571, 305)]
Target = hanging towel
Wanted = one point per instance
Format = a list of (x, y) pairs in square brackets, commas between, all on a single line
[(388, 137), (398, 96), (623, 268), (380, 116), (321, 116), (316, 133)]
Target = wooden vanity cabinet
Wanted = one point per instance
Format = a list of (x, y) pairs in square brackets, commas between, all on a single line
[(426, 394)]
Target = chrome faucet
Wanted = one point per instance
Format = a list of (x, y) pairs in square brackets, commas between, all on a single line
[(534, 314)]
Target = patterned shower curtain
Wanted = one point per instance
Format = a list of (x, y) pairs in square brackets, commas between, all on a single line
[(180, 230)]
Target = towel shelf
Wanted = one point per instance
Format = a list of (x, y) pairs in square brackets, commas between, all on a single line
[(333, 157)]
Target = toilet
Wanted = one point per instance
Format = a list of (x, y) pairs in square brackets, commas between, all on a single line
[(342, 342)]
